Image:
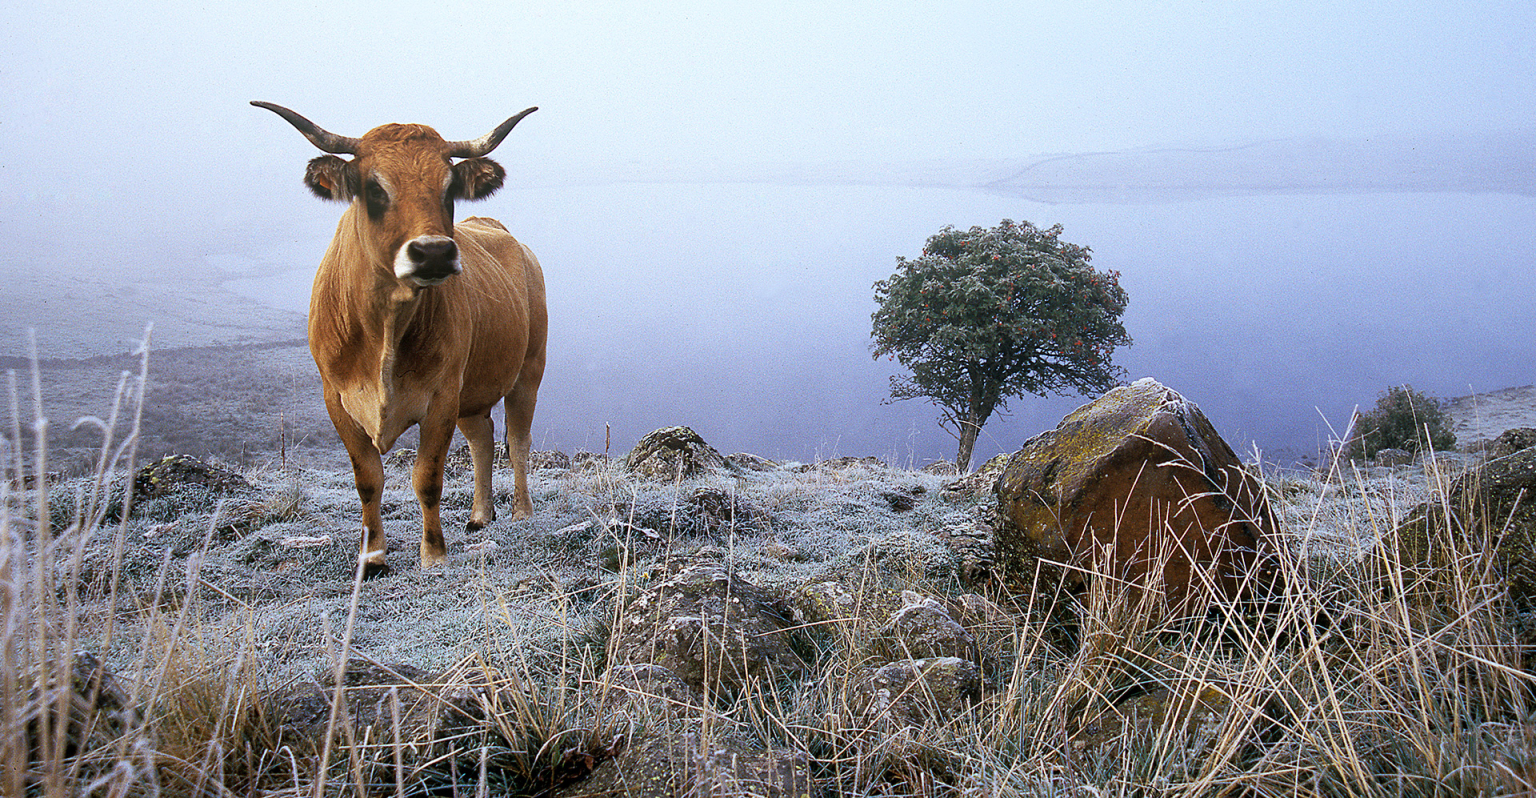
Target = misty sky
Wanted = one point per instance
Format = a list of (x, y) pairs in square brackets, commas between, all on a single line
[(127, 148)]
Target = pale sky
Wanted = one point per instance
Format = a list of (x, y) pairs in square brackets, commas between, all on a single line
[(107, 98)]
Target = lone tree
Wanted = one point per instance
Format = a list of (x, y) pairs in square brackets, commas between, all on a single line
[(988, 314)]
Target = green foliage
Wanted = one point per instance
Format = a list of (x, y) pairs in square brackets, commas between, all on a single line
[(991, 313), (1402, 419)]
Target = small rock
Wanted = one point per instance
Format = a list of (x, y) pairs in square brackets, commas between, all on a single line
[(917, 693), (922, 629), (941, 468), (180, 473), (978, 483), (711, 628), (548, 460), (841, 464), (750, 462), (673, 453)]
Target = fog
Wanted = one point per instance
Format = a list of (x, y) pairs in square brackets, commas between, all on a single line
[(1306, 205)]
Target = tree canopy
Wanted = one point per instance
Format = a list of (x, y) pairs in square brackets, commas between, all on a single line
[(987, 314)]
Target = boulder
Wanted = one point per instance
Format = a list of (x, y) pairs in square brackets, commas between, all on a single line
[(1137, 485), (1489, 510), (673, 453), (711, 628)]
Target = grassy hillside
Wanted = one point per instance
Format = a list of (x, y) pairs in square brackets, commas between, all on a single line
[(218, 630)]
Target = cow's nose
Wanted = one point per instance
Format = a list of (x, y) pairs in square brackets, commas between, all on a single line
[(432, 250)]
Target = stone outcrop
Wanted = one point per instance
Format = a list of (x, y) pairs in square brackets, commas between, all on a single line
[(673, 453), (1138, 485)]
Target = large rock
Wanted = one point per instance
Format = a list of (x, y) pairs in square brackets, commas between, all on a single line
[(1138, 485), (673, 453), (1489, 510)]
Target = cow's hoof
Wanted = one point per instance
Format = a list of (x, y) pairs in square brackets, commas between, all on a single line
[(476, 526), (372, 570), (432, 562)]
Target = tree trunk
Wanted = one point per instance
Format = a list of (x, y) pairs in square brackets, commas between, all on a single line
[(969, 428)]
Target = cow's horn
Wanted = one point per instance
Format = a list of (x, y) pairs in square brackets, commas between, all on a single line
[(484, 144), (320, 137)]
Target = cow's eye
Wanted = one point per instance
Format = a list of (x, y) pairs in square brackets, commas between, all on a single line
[(376, 198)]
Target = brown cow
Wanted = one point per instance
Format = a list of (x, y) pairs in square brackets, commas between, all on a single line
[(417, 320)]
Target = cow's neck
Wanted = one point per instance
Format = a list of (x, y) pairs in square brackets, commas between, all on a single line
[(391, 357)]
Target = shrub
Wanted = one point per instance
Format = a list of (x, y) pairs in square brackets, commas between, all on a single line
[(1402, 419)]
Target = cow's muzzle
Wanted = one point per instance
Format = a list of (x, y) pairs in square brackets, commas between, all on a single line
[(427, 260)]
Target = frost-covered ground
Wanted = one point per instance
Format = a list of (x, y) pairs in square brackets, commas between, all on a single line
[(276, 564), (1342, 509)]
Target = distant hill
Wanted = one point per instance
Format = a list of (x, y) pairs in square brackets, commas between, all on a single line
[(105, 313), (1499, 163)]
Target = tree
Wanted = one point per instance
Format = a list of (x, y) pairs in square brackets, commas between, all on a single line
[(1402, 419), (989, 314)]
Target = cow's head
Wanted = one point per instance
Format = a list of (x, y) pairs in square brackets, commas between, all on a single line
[(406, 178)]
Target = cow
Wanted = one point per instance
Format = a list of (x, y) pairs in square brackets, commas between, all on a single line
[(416, 320)]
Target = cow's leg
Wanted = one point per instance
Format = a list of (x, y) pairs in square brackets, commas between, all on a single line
[(481, 434), (427, 479), (520, 404), (368, 475)]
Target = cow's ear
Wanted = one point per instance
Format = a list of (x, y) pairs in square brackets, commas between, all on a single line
[(477, 178), (331, 178)]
